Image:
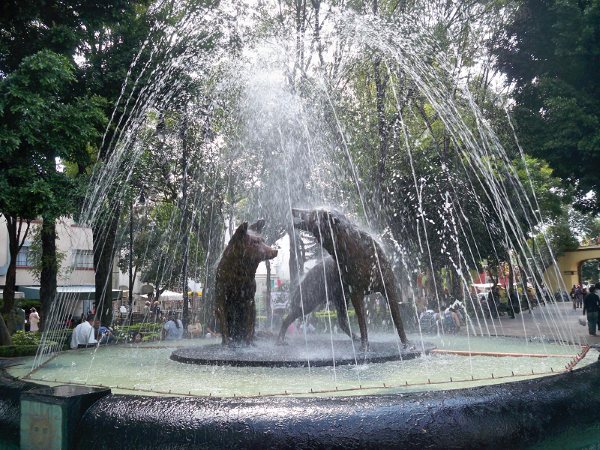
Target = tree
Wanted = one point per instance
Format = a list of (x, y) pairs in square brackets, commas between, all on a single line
[(42, 122), (104, 35), (550, 54)]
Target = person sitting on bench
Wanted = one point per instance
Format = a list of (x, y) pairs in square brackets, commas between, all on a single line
[(83, 334)]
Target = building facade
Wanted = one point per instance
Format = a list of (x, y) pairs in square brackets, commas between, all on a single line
[(76, 273)]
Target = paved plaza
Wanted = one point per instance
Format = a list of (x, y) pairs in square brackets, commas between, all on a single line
[(558, 320)]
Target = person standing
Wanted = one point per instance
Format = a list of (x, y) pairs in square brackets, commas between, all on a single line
[(156, 312), (579, 294), (20, 313), (493, 301), (591, 306), (597, 286), (34, 320)]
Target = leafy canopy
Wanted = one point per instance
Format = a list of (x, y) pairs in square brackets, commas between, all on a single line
[(550, 53)]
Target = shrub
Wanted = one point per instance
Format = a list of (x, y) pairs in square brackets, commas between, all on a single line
[(150, 331), (332, 313), (151, 337), (26, 338), (143, 327), (11, 351)]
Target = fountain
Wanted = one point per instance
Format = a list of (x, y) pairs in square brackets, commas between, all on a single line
[(235, 122)]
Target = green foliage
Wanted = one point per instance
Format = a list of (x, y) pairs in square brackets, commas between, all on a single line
[(550, 53), (24, 343), (36, 257), (557, 239), (543, 187), (150, 331), (26, 338), (332, 314), (590, 270), (150, 337), (40, 123), (142, 327), (14, 351)]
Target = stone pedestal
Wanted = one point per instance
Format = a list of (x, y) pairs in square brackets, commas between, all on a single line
[(50, 415)]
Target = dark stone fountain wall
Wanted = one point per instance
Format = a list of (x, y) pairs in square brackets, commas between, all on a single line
[(10, 406), (509, 415)]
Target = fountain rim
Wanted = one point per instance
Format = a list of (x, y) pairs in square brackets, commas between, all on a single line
[(478, 411)]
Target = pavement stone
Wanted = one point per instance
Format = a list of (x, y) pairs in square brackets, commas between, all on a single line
[(555, 321)]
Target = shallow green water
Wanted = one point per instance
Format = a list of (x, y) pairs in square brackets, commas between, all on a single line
[(584, 438), (6, 445), (147, 369)]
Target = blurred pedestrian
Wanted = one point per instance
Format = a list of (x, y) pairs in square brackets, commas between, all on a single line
[(34, 320), (20, 318), (579, 294), (591, 306), (156, 312), (173, 328)]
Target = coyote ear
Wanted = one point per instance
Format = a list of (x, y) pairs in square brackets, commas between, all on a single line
[(258, 226), (241, 231)]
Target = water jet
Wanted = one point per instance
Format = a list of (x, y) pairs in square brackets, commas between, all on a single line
[(439, 212)]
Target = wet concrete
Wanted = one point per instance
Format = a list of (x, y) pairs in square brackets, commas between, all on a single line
[(511, 415), (557, 321), (10, 405)]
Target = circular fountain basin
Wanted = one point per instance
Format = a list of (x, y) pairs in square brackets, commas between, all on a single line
[(476, 401), (318, 351), (147, 369)]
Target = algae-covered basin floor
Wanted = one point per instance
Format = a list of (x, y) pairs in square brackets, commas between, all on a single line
[(148, 369)]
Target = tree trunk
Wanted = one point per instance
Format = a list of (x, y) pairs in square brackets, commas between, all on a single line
[(15, 243), (49, 270), (382, 127), (5, 338), (382, 130), (9, 294), (317, 31), (185, 226), (104, 244), (456, 283), (511, 277), (300, 12), (130, 262), (215, 248)]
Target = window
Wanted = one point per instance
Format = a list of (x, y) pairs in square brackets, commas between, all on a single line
[(24, 257), (83, 259)]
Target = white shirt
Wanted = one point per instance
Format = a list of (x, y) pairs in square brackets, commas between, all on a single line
[(83, 334), (172, 332), (123, 309)]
